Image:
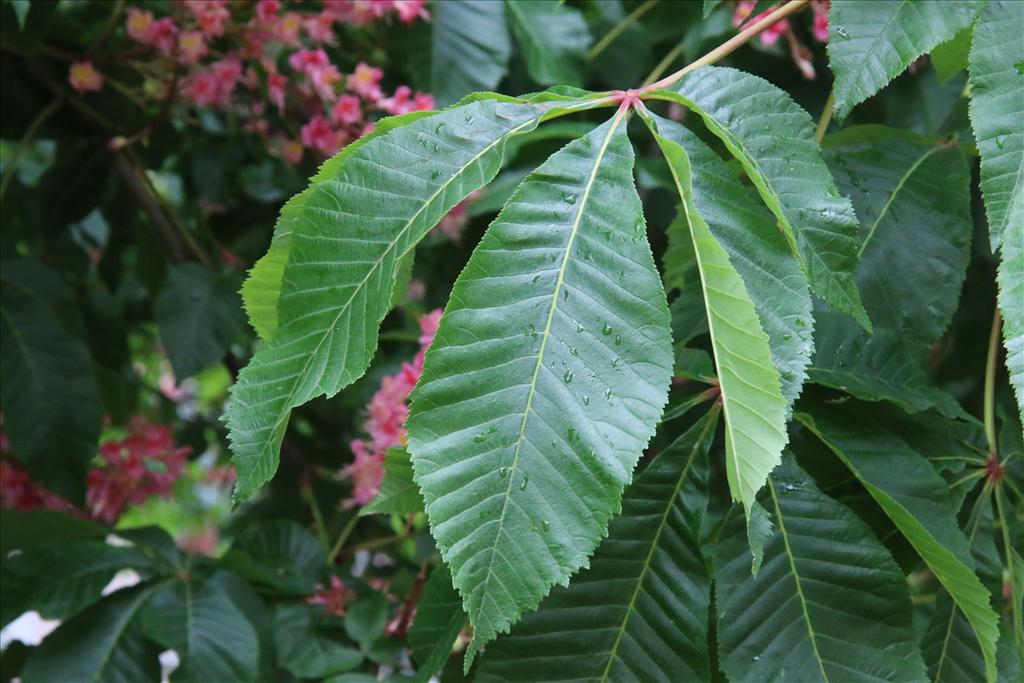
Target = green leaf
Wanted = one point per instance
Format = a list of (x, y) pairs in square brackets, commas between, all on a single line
[(21, 530), (544, 383), (554, 40), (786, 167), (366, 618), (873, 367), (439, 618), (20, 8), (709, 7), (104, 643), (262, 289), (363, 213), (640, 611), (829, 603), (873, 41), (199, 314), (755, 410), (469, 48), (757, 251), (950, 57), (306, 652), (997, 105), (398, 493), (280, 554), (211, 635), (48, 394), (911, 494), (1011, 302), (913, 194), (58, 580)]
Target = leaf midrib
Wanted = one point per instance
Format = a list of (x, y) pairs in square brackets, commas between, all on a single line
[(683, 474), (584, 199), (796, 579)]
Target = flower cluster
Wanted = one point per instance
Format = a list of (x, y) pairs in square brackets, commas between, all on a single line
[(261, 58), (802, 55), (386, 423), (145, 463)]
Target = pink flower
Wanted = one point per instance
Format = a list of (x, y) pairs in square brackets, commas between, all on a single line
[(202, 90), (19, 492), (266, 10), (423, 101), (84, 77), (275, 89), (305, 61), (454, 221), (335, 600), (770, 35), (191, 47), (139, 25), (318, 134), (347, 110), (428, 327), (289, 150), (410, 10), (320, 28), (365, 81), (399, 103), (286, 29), (366, 473), (324, 80), (161, 35), (226, 72), (210, 16), (820, 25)]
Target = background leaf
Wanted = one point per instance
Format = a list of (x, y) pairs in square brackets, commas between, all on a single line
[(439, 619), (873, 41), (398, 493), (553, 37), (469, 48), (544, 383), (640, 611)]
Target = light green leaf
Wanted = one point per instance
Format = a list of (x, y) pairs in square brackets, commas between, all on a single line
[(398, 492), (997, 105), (363, 213), (20, 8), (640, 611), (873, 367), (950, 58), (829, 603), (873, 41), (544, 383), (1011, 302), (58, 580), (909, 491), (439, 618), (755, 410), (786, 167), (199, 314), (469, 49), (103, 643), (554, 40), (913, 194), (211, 635), (771, 276), (50, 402)]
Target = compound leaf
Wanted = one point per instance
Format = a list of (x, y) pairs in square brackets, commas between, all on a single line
[(872, 42), (544, 383), (640, 611)]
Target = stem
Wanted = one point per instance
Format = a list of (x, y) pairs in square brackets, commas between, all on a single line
[(990, 383), (342, 537), (664, 63), (318, 518), (729, 46), (826, 116), (26, 140), (619, 28), (1015, 588)]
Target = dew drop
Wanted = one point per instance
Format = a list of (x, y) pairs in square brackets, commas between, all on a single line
[(787, 336), (479, 438), (615, 362), (469, 119), (439, 128), (586, 400), (574, 351), (568, 198), (606, 330), (422, 139), (1019, 66), (757, 658), (437, 147), (572, 435), (502, 472), (800, 322), (1000, 141), (435, 174), (842, 32), (618, 340), (524, 482), (545, 525), (608, 394), (535, 278), (568, 376)]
